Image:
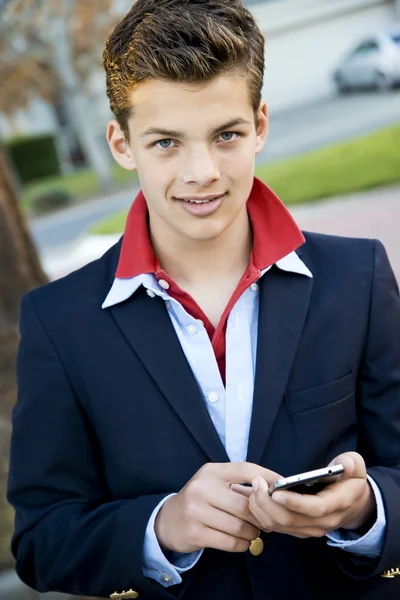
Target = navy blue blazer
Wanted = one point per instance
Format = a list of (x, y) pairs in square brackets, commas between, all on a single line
[(108, 422)]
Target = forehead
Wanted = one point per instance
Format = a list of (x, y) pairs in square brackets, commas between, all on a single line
[(178, 105)]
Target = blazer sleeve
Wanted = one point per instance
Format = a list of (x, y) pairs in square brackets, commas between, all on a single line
[(378, 397), (70, 535)]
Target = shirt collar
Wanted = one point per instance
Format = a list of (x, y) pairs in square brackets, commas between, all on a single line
[(275, 239), (292, 264), (122, 289)]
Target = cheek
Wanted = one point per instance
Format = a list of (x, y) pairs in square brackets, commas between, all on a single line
[(154, 174), (239, 163)]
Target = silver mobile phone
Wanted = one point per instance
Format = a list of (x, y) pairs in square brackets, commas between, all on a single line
[(311, 482)]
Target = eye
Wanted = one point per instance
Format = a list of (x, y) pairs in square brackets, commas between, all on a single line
[(229, 136), (164, 144)]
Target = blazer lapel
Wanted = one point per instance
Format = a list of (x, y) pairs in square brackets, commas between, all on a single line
[(146, 325), (284, 300)]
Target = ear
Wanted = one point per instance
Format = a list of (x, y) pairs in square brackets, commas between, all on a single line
[(262, 128), (119, 146)]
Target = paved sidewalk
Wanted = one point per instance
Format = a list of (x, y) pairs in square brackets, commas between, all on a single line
[(371, 214)]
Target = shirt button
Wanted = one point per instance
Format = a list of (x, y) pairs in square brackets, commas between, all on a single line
[(163, 284), (254, 287), (168, 304), (213, 397), (150, 293), (192, 329), (166, 578)]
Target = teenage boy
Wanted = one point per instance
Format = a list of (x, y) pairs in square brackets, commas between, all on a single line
[(216, 345)]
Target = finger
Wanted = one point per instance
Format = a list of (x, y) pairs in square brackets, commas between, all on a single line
[(260, 502), (334, 498), (276, 518), (227, 523), (223, 541), (271, 509), (276, 509), (244, 490), (281, 520), (310, 532), (232, 503), (260, 485), (312, 506), (353, 463), (244, 472)]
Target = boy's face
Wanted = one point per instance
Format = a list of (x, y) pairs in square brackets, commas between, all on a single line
[(192, 142)]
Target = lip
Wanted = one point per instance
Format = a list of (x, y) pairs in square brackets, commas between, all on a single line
[(202, 210), (202, 198)]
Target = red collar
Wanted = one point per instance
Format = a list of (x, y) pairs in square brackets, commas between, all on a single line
[(275, 234)]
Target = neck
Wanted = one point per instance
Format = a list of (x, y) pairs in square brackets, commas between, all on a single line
[(193, 262)]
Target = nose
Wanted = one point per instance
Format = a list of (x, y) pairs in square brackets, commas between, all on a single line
[(200, 168)]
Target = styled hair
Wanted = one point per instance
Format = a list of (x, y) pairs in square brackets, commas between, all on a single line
[(190, 41)]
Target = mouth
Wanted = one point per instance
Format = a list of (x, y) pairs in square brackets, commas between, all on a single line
[(201, 206), (200, 199)]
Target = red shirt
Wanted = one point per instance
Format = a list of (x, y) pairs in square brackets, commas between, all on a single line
[(275, 235)]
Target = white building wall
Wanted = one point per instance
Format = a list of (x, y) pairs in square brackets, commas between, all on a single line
[(306, 38)]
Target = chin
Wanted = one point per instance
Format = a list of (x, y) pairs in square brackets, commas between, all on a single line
[(205, 233)]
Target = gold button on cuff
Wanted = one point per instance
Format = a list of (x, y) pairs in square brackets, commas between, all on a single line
[(391, 573), (256, 547)]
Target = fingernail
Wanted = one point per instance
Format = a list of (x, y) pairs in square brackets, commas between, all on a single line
[(278, 498), (255, 484)]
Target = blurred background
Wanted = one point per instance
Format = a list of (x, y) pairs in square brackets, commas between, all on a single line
[(332, 84)]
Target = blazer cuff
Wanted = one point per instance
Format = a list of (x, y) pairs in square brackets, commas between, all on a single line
[(165, 568), (370, 544)]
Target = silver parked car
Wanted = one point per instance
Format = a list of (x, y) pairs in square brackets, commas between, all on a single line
[(374, 62)]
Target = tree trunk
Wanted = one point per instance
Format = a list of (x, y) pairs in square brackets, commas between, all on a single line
[(93, 147), (20, 271), (76, 103)]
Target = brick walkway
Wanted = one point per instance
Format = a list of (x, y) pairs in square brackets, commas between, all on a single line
[(371, 214)]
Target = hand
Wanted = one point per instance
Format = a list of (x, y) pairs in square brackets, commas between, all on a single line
[(206, 513), (347, 503)]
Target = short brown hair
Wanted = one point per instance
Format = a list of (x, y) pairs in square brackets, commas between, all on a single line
[(189, 41)]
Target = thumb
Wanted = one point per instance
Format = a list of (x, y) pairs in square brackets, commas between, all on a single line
[(353, 463), (243, 490), (244, 472)]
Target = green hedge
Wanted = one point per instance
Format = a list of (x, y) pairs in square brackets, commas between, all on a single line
[(34, 157)]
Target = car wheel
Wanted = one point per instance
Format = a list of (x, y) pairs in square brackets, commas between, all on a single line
[(341, 85), (382, 82)]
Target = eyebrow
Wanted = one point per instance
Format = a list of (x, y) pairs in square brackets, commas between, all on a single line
[(170, 133)]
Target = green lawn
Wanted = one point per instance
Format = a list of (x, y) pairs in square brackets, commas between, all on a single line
[(358, 164), (79, 184)]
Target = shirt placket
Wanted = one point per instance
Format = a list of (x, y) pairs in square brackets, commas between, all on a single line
[(240, 374), (200, 355)]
